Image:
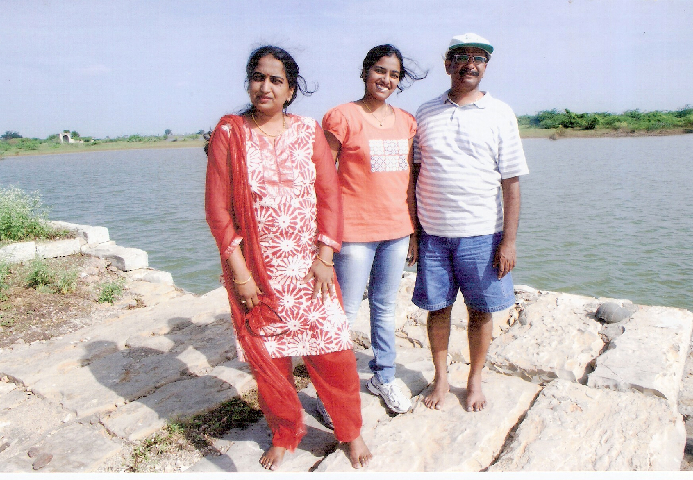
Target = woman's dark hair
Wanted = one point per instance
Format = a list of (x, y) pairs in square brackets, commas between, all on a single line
[(296, 81), (408, 74)]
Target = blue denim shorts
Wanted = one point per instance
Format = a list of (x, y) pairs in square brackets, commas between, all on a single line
[(447, 265)]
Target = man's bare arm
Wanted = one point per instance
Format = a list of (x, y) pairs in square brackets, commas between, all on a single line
[(506, 255)]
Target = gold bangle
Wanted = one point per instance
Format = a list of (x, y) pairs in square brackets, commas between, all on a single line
[(243, 283), (327, 264)]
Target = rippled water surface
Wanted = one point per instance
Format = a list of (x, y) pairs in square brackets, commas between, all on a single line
[(603, 217)]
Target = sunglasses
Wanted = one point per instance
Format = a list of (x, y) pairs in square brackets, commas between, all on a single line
[(463, 58), (261, 310)]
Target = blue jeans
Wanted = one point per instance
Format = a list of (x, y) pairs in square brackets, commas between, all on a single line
[(381, 264)]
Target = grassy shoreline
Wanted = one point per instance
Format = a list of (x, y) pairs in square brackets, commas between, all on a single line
[(554, 134), (56, 149)]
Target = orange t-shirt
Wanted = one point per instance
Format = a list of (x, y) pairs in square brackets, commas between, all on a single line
[(374, 173)]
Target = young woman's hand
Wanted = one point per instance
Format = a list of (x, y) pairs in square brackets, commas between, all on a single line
[(248, 294), (243, 281)]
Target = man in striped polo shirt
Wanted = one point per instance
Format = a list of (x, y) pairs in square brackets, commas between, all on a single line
[(467, 160)]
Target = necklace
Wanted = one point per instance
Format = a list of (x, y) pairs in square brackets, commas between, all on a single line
[(371, 112), (252, 114)]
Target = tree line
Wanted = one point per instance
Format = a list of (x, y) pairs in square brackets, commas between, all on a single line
[(628, 120), (12, 140)]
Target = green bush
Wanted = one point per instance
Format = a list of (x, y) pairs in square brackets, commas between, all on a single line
[(66, 282), (40, 275), (22, 216), (111, 291)]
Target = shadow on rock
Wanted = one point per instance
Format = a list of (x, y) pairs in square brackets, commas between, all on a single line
[(176, 375)]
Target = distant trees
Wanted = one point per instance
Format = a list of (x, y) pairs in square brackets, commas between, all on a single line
[(73, 134), (630, 120), (167, 132), (9, 135)]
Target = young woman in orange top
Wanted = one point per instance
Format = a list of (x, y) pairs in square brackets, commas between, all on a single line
[(372, 143)]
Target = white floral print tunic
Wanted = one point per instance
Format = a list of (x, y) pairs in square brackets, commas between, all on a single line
[(282, 180)]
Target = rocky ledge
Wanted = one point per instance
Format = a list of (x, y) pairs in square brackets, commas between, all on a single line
[(566, 389)]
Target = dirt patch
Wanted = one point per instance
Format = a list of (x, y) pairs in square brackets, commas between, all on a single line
[(30, 314)]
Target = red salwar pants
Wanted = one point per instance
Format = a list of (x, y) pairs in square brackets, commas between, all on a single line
[(337, 383)]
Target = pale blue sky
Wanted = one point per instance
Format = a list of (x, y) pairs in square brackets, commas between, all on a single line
[(123, 67)]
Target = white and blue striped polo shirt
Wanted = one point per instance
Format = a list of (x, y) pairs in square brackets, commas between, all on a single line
[(464, 152)]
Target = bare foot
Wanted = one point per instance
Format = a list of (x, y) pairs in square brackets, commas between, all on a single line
[(272, 458), (436, 398), (359, 453), (476, 401)]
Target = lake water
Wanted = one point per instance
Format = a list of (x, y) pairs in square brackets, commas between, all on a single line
[(601, 217)]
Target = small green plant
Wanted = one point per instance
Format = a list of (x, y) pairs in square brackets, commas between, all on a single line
[(66, 282), (196, 432), (22, 215), (40, 275), (4, 273), (111, 291), (150, 446)]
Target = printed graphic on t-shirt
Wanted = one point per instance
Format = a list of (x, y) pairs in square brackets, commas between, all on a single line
[(389, 155)]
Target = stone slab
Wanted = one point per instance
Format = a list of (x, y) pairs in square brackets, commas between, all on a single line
[(153, 293), (236, 374), (73, 370), (556, 336), (150, 275), (102, 384), (18, 252), (58, 248), (143, 417), (122, 258), (242, 448), (450, 439), (686, 392), (649, 356), (572, 427), (6, 387), (92, 235), (73, 448), (25, 419), (458, 345)]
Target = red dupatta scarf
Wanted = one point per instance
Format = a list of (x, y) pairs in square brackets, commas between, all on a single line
[(282, 393)]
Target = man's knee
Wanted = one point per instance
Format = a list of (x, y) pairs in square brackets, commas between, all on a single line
[(440, 317), (477, 319)]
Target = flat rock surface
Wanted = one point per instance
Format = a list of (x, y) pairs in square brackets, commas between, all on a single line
[(242, 448), (18, 252), (141, 418), (121, 257), (75, 401), (72, 448), (450, 439), (572, 427), (557, 336), (656, 369), (686, 393)]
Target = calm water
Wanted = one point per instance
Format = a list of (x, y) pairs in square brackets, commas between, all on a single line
[(602, 217)]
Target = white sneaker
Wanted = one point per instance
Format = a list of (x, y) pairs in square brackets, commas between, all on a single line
[(390, 392), (326, 419)]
